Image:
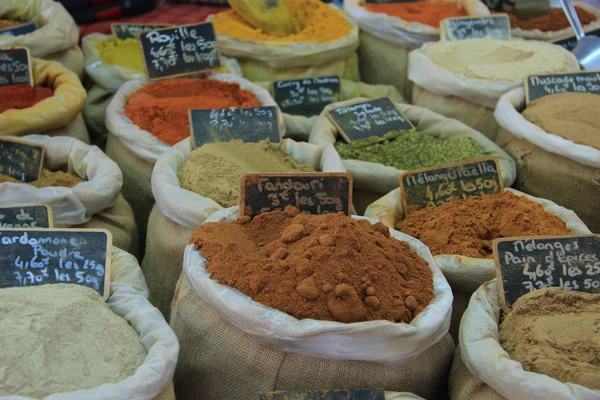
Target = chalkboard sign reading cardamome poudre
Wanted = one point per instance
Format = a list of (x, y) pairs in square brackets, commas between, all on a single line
[(307, 96), (184, 50), (18, 30), (430, 187), (462, 28), (369, 118), (26, 217), (21, 160), (311, 192), (537, 86), (32, 257), (15, 66), (125, 31), (525, 264)]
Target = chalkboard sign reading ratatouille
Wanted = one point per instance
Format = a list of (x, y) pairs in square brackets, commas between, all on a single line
[(18, 30), (247, 124), (306, 96), (430, 187), (33, 257), (179, 51), (26, 217), (21, 160), (369, 118), (537, 86), (525, 264), (462, 28), (125, 31), (15, 67), (311, 192)]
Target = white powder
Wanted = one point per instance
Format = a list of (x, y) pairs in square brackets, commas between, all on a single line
[(61, 338)]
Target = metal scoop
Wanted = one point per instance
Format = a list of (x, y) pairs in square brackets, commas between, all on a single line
[(526, 9), (587, 50)]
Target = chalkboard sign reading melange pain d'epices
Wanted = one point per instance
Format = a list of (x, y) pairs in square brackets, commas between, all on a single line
[(462, 28), (125, 31), (307, 96), (15, 66), (18, 30), (21, 160), (26, 217), (247, 124), (179, 51), (537, 86), (369, 118), (525, 264)]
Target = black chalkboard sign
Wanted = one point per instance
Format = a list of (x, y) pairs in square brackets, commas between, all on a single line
[(15, 67), (32, 257), (462, 28), (26, 217), (125, 31), (570, 42), (344, 394), (307, 96), (369, 118), (184, 50), (19, 30), (247, 124), (430, 187), (537, 86), (311, 192), (525, 264), (21, 160)]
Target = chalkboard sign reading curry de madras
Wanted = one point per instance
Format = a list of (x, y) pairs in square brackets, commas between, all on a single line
[(15, 66), (21, 160), (462, 28), (307, 96)]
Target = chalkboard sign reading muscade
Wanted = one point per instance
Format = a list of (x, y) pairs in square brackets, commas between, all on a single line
[(15, 66), (430, 187), (537, 86), (342, 394), (18, 30), (26, 217), (32, 257), (311, 192), (183, 50), (462, 28), (125, 31), (370, 118), (21, 160), (306, 96), (570, 42), (525, 264), (247, 124)]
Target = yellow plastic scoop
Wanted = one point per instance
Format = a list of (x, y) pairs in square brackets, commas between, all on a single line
[(273, 17)]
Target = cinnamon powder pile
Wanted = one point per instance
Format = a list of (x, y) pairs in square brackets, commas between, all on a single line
[(323, 267), (468, 227)]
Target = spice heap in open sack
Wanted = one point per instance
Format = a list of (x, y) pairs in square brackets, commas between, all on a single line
[(121, 52), (18, 97), (425, 12), (555, 20), (48, 178), (555, 332), (323, 267), (60, 338), (468, 227)]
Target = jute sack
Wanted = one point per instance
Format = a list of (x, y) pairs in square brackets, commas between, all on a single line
[(469, 100), (548, 165), (465, 274), (94, 203), (241, 348), (490, 373), (178, 212), (386, 40), (136, 150), (58, 115)]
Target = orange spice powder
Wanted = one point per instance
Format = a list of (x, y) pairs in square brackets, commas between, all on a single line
[(427, 13)]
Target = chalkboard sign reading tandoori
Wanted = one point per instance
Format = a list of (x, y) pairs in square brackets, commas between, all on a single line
[(306, 96), (18, 30), (537, 86), (311, 192), (369, 118), (26, 217), (32, 257), (525, 264), (21, 160), (184, 50), (15, 66), (340, 394), (125, 31), (462, 28), (434, 186), (247, 124)]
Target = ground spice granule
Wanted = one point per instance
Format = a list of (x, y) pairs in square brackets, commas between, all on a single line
[(555, 20), (162, 108), (323, 267), (18, 97), (428, 13), (468, 227)]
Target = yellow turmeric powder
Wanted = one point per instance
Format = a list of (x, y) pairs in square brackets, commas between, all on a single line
[(317, 22), (125, 53)]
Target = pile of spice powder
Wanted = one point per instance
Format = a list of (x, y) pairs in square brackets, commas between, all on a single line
[(215, 169), (322, 267), (468, 227), (410, 150), (317, 23), (48, 178), (555, 20), (162, 108), (7, 23), (18, 97), (122, 52), (425, 12)]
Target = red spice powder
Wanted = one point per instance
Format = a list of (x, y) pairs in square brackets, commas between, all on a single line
[(425, 12), (18, 97), (162, 108), (553, 21)]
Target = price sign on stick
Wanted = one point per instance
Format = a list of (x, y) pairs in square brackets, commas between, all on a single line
[(21, 160), (125, 31), (184, 50), (369, 118), (525, 264), (18, 30), (438, 185), (342, 394), (26, 217), (311, 192), (537, 86), (306, 96), (462, 28), (15, 67)]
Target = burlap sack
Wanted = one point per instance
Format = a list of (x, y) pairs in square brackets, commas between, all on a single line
[(58, 115), (471, 101), (549, 166), (386, 40), (178, 212), (464, 386)]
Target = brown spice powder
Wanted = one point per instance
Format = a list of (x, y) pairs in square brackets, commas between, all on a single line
[(324, 267), (48, 178)]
